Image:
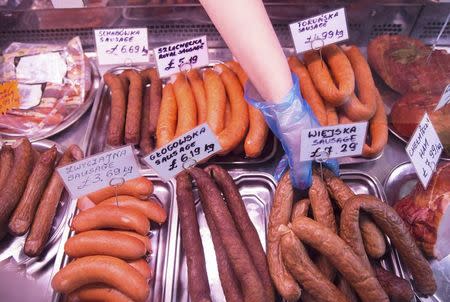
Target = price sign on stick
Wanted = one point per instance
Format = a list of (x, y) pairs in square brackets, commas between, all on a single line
[(183, 152), (121, 45), (424, 149), (320, 30), (181, 56), (335, 141), (99, 171), (445, 98)]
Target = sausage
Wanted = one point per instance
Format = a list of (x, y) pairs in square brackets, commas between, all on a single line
[(303, 269), (239, 71), (16, 181), (151, 209), (116, 123), (142, 267), (6, 163), (139, 187), (341, 256), (228, 280), (134, 106), (348, 292), (146, 141), (98, 294), (332, 116), (280, 214), (308, 90), (361, 108), (341, 74), (144, 239), (241, 262), (111, 217), (394, 227), (23, 215), (300, 208), (108, 270), (216, 100), (151, 75), (373, 238), (343, 118), (199, 93), (106, 243), (243, 224), (187, 109), (191, 241), (167, 119), (378, 127), (45, 213), (398, 289), (233, 133)]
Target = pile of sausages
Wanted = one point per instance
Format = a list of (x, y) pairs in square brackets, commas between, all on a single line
[(111, 244), (31, 191), (345, 265), (240, 257), (337, 84)]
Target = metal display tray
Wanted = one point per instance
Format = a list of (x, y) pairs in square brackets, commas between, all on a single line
[(11, 248), (400, 182), (71, 118)]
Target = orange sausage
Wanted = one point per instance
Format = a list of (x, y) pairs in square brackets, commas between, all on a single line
[(239, 71), (139, 187), (308, 90), (134, 106), (97, 294), (199, 93), (167, 120), (151, 209), (332, 116), (227, 113), (378, 127), (142, 267), (106, 243), (144, 239), (108, 270), (231, 136), (187, 109), (216, 100), (362, 108), (110, 217), (116, 124), (341, 74)]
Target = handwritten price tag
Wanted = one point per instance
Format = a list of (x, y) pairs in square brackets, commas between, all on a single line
[(184, 152), (320, 30), (180, 56), (424, 149), (445, 98), (67, 3), (336, 141), (98, 171), (9, 96), (121, 45)]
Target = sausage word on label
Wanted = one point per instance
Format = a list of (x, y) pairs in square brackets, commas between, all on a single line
[(424, 149), (184, 152), (445, 98), (100, 171), (333, 141), (182, 56), (320, 30), (121, 45)]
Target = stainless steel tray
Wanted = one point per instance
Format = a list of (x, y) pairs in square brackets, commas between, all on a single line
[(72, 118), (160, 259), (11, 248), (400, 182)]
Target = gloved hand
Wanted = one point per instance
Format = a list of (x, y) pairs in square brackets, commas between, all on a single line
[(286, 120)]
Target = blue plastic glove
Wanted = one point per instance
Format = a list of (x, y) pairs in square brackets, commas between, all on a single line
[(286, 120)]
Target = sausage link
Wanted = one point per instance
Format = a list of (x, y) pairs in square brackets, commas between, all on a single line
[(142, 267), (246, 273), (244, 225), (167, 119), (16, 182), (187, 109), (144, 239), (97, 294), (332, 116), (145, 143), (6, 163), (191, 241), (199, 93), (116, 123), (345, 288), (45, 213), (300, 208), (108, 270), (216, 100), (134, 106), (139, 187), (378, 127), (23, 215), (398, 289)]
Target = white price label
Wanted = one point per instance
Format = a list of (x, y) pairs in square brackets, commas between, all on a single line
[(121, 45), (67, 3), (445, 98), (424, 149), (183, 152), (181, 56), (320, 30), (99, 171), (333, 141)]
